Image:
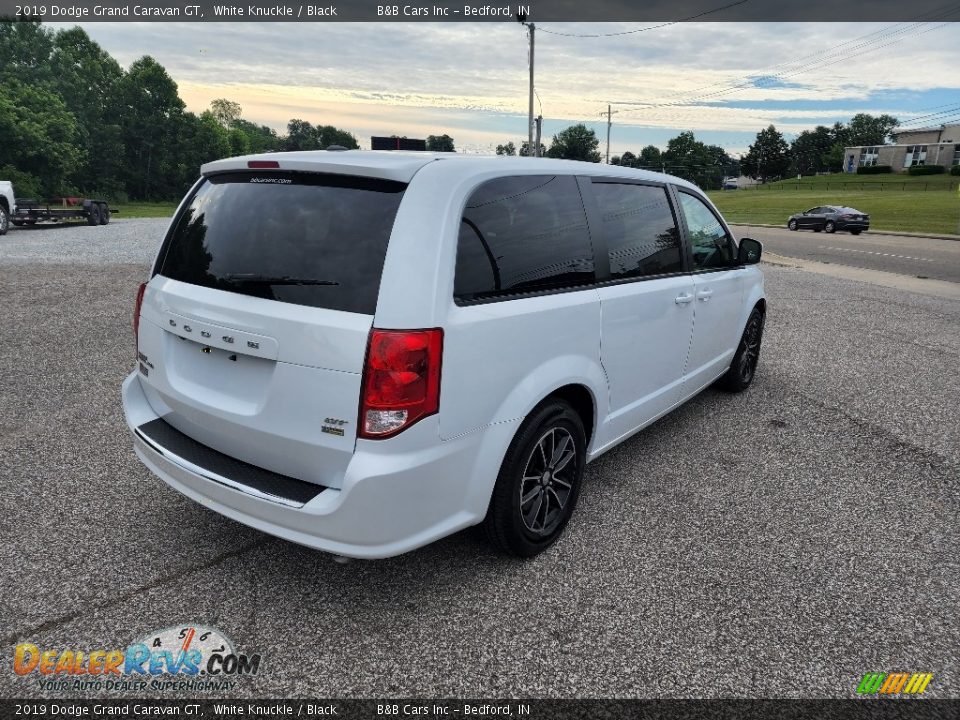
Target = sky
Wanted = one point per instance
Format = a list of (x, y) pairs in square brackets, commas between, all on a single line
[(723, 81)]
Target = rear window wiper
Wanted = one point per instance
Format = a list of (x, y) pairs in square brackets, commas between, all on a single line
[(274, 279)]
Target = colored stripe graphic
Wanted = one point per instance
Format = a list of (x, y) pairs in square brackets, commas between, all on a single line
[(871, 683), (894, 683)]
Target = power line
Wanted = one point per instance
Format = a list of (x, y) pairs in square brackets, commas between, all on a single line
[(652, 27)]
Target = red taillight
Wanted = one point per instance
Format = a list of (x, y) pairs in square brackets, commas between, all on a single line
[(847, 217), (262, 164), (136, 317), (401, 380)]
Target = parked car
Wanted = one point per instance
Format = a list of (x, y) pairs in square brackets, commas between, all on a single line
[(830, 218), (364, 352)]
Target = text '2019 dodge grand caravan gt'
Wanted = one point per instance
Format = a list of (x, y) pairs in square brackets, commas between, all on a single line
[(364, 352)]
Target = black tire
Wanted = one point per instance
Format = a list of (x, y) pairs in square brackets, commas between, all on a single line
[(93, 216), (4, 219), (856, 232), (792, 225), (104, 213), (817, 229), (743, 367), (830, 227), (528, 472)]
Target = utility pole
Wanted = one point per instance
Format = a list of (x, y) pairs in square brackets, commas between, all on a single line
[(531, 30), (609, 113)]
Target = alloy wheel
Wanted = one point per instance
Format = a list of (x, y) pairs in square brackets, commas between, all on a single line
[(547, 481)]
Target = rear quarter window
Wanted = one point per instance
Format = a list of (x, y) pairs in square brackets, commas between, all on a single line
[(305, 238), (523, 234)]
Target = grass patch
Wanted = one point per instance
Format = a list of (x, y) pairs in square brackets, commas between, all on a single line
[(934, 211), (878, 183), (145, 209)]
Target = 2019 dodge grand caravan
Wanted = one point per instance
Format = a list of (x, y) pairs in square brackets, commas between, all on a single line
[(364, 352)]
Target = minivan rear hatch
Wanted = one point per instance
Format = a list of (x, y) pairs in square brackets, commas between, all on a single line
[(254, 326)]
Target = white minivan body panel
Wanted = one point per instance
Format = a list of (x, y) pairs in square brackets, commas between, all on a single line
[(249, 402), (716, 331)]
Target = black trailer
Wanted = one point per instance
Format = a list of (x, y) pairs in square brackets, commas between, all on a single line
[(30, 212)]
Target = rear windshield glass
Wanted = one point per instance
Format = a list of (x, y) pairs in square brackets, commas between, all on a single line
[(302, 238)]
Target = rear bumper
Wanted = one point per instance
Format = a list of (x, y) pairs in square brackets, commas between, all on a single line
[(853, 225), (392, 500)]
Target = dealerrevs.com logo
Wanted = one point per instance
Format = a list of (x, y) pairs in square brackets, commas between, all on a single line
[(879, 683), (189, 657)]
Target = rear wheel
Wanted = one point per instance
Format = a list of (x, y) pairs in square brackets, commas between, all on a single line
[(104, 213), (830, 227), (744, 364), (856, 232), (93, 217), (792, 225), (4, 220), (539, 481)]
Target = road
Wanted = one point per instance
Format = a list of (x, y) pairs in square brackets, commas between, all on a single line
[(927, 257), (777, 543)]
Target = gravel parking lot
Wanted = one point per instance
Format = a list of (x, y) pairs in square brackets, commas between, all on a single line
[(779, 543)]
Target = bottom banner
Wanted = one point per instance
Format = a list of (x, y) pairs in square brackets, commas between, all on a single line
[(906, 709)]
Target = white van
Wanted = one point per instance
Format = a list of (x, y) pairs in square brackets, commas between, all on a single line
[(364, 352)]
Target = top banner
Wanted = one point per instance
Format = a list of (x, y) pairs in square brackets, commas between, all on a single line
[(553, 11)]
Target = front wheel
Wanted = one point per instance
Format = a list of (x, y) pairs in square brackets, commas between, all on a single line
[(93, 216), (539, 481), (744, 364), (792, 225), (104, 213), (4, 220)]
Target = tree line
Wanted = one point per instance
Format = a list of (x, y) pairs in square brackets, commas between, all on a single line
[(770, 156), (74, 122)]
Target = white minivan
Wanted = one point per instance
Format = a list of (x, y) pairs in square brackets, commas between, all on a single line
[(364, 351)]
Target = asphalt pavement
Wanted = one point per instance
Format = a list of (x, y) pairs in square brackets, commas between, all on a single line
[(777, 543), (914, 256)]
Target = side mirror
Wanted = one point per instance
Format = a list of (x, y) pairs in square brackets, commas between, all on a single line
[(750, 251)]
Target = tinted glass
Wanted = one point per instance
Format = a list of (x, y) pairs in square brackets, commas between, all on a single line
[(639, 228), (712, 248), (301, 238), (523, 233)]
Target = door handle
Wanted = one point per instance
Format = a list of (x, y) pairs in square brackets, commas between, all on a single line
[(704, 294), (683, 299)]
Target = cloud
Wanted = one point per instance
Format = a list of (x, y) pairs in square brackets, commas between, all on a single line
[(423, 77)]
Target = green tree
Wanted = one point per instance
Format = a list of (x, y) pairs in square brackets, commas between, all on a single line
[(525, 150), (39, 136), (259, 138), (865, 129), (768, 157), (508, 149), (226, 111), (300, 136), (576, 142), (650, 156), (628, 159), (25, 48), (328, 135), (810, 149), (151, 113), (86, 78), (440, 143)]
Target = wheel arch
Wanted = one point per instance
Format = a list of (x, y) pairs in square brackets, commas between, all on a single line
[(583, 402)]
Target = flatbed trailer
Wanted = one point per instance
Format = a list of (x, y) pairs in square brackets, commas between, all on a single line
[(30, 212)]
